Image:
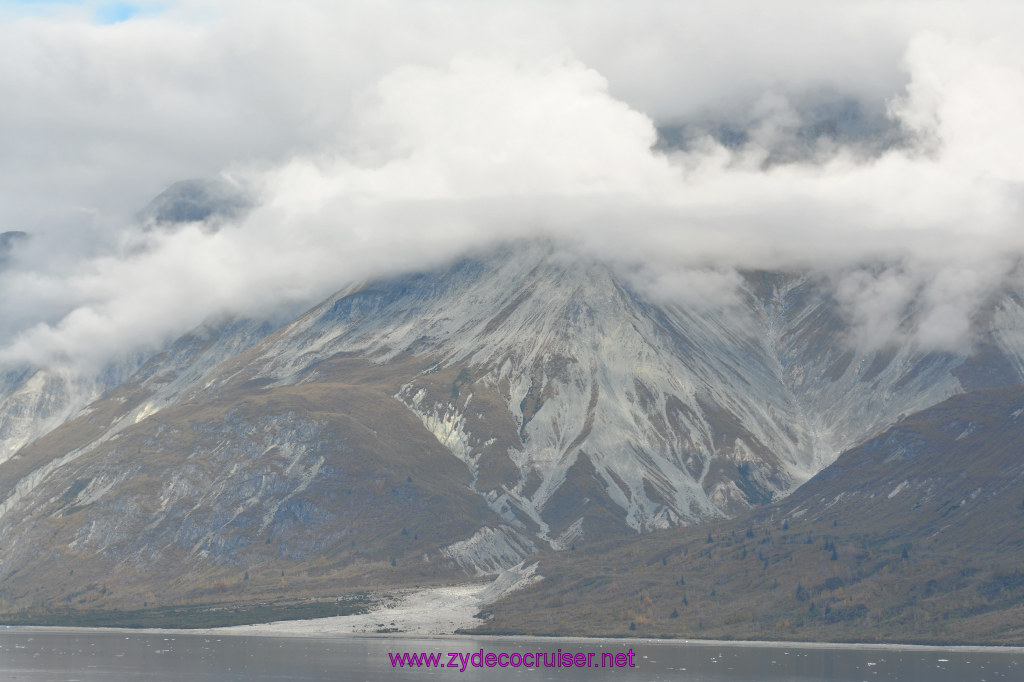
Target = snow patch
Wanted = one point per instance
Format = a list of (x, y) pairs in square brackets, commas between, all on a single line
[(570, 535), (145, 411), (968, 431), (99, 487), (897, 489), (445, 422), (489, 550)]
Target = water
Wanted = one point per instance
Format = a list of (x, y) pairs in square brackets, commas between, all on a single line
[(92, 655)]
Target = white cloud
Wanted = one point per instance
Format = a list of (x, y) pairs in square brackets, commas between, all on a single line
[(380, 136)]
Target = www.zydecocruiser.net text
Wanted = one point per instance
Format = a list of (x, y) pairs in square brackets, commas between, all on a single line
[(462, 660)]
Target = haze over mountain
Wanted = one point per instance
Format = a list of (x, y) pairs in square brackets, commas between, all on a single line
[(560, 274)]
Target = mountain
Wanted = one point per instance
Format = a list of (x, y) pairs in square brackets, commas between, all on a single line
[(207, 201), (35, 400), (916, 535), (657, 414), (8, 241), (528, 396)]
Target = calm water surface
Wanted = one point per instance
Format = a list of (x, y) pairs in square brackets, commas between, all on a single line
[(87, 656)]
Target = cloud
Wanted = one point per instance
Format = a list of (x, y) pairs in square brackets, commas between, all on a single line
[(377, 137)]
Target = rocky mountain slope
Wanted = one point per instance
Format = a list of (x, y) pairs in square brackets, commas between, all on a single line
[(528, 397), (916, 535), (655, 415)]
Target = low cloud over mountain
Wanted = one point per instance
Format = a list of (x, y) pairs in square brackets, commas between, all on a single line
[(879, 144)]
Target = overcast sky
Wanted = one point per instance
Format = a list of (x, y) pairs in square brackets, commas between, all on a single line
[(377, 136)]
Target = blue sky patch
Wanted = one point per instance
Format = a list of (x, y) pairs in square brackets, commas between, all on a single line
[(104, 12), (116, 12)]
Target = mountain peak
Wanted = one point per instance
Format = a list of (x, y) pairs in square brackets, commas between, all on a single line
[(671, 413), (530, 395)]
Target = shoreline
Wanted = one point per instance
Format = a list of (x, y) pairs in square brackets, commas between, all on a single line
[(741, 643), (438, 612)]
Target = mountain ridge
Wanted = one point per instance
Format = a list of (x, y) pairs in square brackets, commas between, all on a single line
[(530, 397)]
